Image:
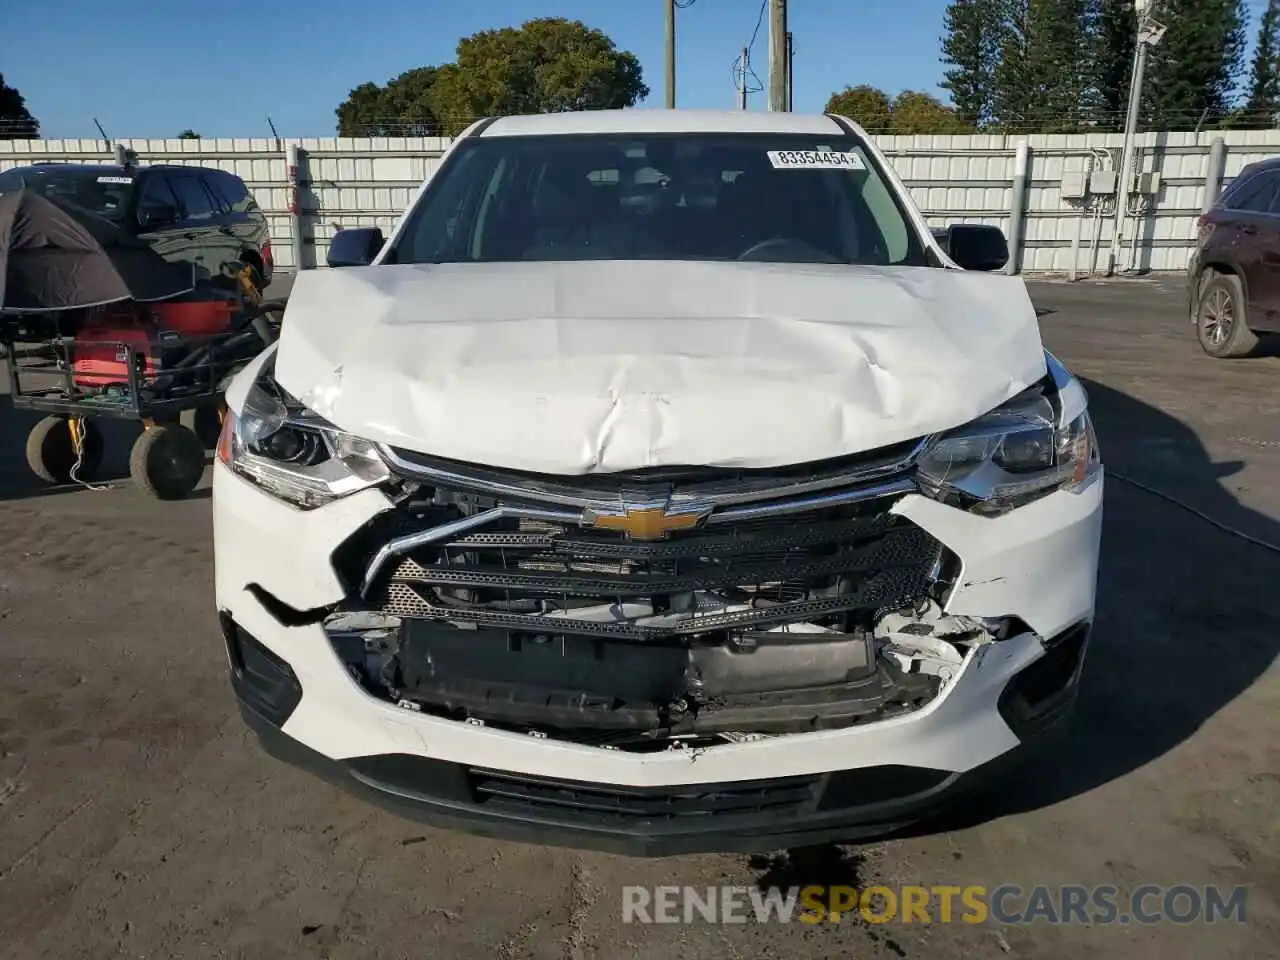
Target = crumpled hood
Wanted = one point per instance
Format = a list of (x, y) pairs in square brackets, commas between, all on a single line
[(598, 366)]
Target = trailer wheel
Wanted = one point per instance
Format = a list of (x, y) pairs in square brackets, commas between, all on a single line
[(51, 452), (206, 423), (167, 461)]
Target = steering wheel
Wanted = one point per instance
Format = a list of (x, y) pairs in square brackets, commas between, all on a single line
[(764, 245), (789, 242)]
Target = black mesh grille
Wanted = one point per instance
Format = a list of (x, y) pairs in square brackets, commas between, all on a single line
[(822, 564)]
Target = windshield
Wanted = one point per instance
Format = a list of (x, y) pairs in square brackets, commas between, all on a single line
[(762, 197), (102, 191)]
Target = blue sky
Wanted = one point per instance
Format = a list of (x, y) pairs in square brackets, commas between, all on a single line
[(221, 69)]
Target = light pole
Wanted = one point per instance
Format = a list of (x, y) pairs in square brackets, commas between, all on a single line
[(1150, 33), (671, 54)]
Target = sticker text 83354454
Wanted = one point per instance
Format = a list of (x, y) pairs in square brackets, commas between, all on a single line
[(815, 160)]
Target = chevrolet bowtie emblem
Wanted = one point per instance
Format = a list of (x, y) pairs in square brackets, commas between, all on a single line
[(647, 523)]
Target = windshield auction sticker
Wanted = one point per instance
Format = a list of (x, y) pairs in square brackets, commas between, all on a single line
[(815, 160)]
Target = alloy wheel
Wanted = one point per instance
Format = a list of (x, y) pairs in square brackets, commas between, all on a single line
[(1218, 317)]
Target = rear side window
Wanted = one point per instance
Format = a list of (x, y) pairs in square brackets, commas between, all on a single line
[(1255, 195), (230, 189), (192, 196)]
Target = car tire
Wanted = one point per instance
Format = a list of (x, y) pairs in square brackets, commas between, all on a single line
[(1222, 320)]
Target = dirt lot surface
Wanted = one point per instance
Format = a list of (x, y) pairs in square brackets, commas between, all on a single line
[(139, 819)]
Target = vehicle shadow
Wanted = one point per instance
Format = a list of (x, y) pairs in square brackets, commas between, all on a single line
[(1183, 616), (1185, 613)]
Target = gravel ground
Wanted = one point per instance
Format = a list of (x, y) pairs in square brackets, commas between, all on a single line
[(139, 819)]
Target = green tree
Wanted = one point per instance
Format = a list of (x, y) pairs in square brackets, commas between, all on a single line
[(547, 65), (1263, 104), (863, 104), (973, 30), (915, 112), (362, 114), (188, 134), (1043, 81), (1193, 72), (16, 121), (407, 99), (402, 108), (1113, 60)]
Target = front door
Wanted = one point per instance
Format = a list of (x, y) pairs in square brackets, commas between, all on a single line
[(199, 225), (169, 237)]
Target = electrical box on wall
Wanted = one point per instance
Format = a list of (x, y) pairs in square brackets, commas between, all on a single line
[(1149, 183), (1102, 182), (1075, 186)]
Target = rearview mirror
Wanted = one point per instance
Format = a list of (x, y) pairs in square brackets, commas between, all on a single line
[(976, 246), (157, 214), (356, 247)]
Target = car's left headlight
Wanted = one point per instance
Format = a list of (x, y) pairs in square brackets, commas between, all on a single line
[(1023, 450), (294, 454)]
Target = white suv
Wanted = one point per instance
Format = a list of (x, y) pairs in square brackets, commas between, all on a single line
[(661, 485)]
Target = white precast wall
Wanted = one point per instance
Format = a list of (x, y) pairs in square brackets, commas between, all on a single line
[(343, 182), (368, 181)]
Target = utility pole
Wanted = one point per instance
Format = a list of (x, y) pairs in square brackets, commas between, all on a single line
[(671, 54), (1150, 32), (742, 83), (778, 55)]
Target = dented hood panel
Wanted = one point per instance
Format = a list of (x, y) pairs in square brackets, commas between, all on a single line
[(597, 366)]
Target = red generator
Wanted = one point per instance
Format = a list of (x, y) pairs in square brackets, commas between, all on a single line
[(159, 334)]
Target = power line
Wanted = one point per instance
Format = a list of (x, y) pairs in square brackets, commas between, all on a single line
[(751, 44), (737, 68), (764, 5), (741, 67)]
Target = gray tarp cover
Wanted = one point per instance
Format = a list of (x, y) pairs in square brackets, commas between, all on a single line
[(54, 257)]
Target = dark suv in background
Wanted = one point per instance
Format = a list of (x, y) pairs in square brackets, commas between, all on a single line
[(1234, 277), (199, 215)]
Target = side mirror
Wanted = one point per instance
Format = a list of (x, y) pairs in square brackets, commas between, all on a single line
[(157, 214), (356, 247), (976, 246)]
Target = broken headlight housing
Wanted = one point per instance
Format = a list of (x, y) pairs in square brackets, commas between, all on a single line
[(293, 454), (1023, 450)]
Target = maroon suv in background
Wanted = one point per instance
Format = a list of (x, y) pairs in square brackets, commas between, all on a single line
[(1234, 277)]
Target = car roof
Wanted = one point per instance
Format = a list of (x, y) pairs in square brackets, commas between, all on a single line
[(115, 168), (641, 121), (1268, 163), (103, 168)]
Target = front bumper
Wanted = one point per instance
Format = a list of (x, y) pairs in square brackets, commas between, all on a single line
[(1037, 564)]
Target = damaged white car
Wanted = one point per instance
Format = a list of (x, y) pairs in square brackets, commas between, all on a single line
[(662, 484)]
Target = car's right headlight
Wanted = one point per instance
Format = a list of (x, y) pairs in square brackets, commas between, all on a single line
[(294, 454), (1023, 450)]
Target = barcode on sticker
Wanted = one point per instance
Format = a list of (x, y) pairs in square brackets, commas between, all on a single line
[(815, 160)]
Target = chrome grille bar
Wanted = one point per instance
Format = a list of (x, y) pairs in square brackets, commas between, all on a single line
[(510, 485)]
